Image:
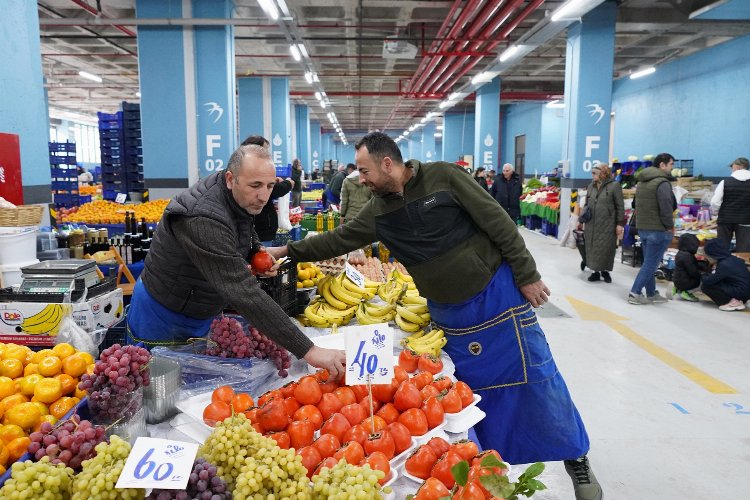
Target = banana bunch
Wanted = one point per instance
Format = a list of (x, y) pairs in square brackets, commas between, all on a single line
[(421, 342), (391, 291), (404, 279), (369, 314), (412, 317), (47, 321), (321, 314)]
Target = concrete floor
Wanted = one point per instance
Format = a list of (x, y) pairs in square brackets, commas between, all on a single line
[(663, 389)]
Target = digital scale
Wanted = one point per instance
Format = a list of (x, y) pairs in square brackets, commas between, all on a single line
[(59, 281)]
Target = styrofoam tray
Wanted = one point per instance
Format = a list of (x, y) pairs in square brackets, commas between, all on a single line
[(429, 434), (420, 481), (401, 457), (470, 416), (394, 477), (451, 418), (194, 406)]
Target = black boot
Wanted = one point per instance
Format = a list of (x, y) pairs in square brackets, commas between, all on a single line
[(584, 482), (594, 276), (583, 265), (607, 277)]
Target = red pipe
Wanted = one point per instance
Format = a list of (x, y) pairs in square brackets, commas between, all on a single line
[(515, 96), (95, 12)]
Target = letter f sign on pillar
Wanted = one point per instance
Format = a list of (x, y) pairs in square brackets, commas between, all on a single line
[(592, 142), (213, 141)]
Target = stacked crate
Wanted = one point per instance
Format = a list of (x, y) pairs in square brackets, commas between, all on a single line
[(64, 174), (122, 160)]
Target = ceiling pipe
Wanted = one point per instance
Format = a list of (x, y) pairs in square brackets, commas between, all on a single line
[(97, 13), (508, 96)]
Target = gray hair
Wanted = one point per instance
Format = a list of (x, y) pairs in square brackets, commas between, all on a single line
[(235, 161), (512, 168)]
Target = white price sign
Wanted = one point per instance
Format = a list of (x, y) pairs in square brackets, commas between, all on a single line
[(121, 197), (295, 211), (354, 275), (158, 463), (369, 354)]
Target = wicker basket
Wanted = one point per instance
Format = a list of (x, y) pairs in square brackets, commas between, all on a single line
[(24, 215)]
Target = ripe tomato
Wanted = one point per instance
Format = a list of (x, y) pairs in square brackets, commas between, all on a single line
[(407, 396), (384, 392), (354, 413), (352, 452), (420, 463), (261, 262), (442, 383), (241, 402), (434, 412), (374, 424), (273, 417), (301, 433), (401, 436), (465, 393), (442, 468), (466, 449), (389, 413), (378, 461), (291, 405), (471, 491), (451, 401), (432, 489), (355, 433), (265, 398), (310, 459), (281, 438), (328, 405), (311, 413), (382, 442), (415, 420), (223, 394), (216, 412), (408, 360), (360, 391), (329, 462), (337, 424), (288, 390), (439, 445), (327, 444), (346, 395), (422, 379), (429, 391), (365, 403), (308, 391), (252, 415), (429, 363), (400, 374)]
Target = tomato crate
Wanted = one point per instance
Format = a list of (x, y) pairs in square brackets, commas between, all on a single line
[(283, 287)]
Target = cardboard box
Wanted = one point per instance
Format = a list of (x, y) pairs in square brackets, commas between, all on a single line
[(37, 324)]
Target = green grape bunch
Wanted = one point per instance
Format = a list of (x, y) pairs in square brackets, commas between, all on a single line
[(348, 482), (97, 479), (40, 480)]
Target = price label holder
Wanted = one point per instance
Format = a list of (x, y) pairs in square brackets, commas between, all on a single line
[(369, 354), (355, 276), (120, 198), (295, 211), (158, 463)]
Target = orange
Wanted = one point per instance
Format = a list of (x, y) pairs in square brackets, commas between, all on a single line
[(7, 387), (30, 369), (90, 369), (24, 415), (40, 355), (4, 455), (64, 350), (28, 383), (14, 351), (75, 365), (11, 367), (43, 410), (48, 390), (45, 418), (87, 357), (68, 383), (50, 366), (80, 393), (29, 355), (17, 447), (3, 347), (2, 469), (10, 432), (11, 401), (59, 408)]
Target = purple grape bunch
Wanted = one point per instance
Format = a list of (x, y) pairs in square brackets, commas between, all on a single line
[(119, 374), (203, 484), (230, 340), (70, 442)]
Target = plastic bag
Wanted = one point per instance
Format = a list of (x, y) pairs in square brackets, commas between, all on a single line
[(201, 373), (79, 338), (283, 212)]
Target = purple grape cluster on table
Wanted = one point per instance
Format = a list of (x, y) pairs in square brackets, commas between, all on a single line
[(203, 484), (69, 442), (230, 340), (114, 386)]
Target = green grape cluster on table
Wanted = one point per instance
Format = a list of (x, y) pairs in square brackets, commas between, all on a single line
[(38, 481), (97, 479)]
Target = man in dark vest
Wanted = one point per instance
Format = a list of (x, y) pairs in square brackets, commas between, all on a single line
[(507, 191), (198, 264), (732, 201)]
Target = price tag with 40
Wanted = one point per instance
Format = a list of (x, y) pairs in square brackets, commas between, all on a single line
[(369, 354)]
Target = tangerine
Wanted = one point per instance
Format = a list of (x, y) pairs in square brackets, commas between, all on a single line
[(68, 383), (40, 355), (48, 390), (4, 455), (11, 368), (10, 432), (64, 350), (75, 365), (50, 366), (24, 415), (59, 408), (18, 447), (7, 387), (31, 369), (45, 418), (27, 383)]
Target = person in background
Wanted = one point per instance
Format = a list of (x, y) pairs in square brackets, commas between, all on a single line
[(333, 193), (315, 174), (84, 176), (198, 264), (480, 175), (654, 206), (297, 173), (468, 259), (354, 195), (491, 178), (729, 285), (732, 201), (605, 228), (687, 270), (507, 191)]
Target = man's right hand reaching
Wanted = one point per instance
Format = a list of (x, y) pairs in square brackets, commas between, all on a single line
[(331, 359), (277, 252)]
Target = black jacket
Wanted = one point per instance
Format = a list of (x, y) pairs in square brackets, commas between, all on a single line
[(482, 182), (337, 181), (687, 272), (731, 273), (267, 222), (507, 192), (297, 178)]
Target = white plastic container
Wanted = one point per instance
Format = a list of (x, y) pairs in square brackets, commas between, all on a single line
[(16, 247), (11, 273)]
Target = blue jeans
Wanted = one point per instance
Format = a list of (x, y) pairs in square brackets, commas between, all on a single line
[(654, 244)]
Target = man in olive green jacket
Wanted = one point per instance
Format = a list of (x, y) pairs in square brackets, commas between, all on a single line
[(354, 196)]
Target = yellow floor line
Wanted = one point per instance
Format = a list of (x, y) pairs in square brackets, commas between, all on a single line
[(591, 312)]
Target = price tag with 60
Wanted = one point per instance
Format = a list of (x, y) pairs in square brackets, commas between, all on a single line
[(369, 353), (158, 463)]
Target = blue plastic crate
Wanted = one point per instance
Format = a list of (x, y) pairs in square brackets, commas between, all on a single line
[(109, 194), (66, 199), (130, 134), (62, 160), (84, 199), (110, 169), (314, 186), (63, 173), (110, 134), (283, 172), (109, 116), (110, 126), (109, 142), (69, 147), (64, 185), (130, 106)]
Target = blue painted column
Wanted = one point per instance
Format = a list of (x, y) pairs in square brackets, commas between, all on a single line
[(281, 129), (302, 124), (588, 97), (415, 145), (458, 135), (487, 126), (428, 142), (252, 93), (327, 148), (23, 103), (265, 110), (316, 151)]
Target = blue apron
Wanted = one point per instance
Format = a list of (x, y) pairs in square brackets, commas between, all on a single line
[(500, 350), (152, 324)]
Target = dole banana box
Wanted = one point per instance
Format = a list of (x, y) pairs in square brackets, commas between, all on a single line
[(37, 324)]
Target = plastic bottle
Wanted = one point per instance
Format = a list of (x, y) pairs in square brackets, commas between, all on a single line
[(330, 221), (319, 222)]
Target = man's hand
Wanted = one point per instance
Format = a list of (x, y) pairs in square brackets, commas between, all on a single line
[(619, 231), (537, 293), (330, 359), (277, 252)]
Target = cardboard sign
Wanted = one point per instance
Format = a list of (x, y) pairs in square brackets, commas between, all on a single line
[(369, 354), (158, 463), (354, 275)]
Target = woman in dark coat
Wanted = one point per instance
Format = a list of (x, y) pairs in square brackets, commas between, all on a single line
[(604, 201), (480, 177), (506, 189)]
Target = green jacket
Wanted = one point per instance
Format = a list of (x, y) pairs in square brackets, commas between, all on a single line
[(654, 201), (449, 233), (353, 196)]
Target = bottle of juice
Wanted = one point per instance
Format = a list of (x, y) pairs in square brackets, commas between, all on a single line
[(330, 220), (319, 222)]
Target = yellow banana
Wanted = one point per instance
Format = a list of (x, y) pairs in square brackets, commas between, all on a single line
[(413, 300), (328, 296), (338, 291), (353, 288), (364, 318), (373, 310), (416, 308), (429, 338), (311, 313), (408, 315), (405, 325), (401, 276), (425, 317), (415, 336)]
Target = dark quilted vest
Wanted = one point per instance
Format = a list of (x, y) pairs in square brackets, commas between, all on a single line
[(735, 206), (169, 276)]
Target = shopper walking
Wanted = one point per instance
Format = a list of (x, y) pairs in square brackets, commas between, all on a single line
[(480, 175), (297, 179), (729, 285), (654, 209), (354, 195), (732, 201), (198, 264), (468, 258), (605, 225), (506, 189)]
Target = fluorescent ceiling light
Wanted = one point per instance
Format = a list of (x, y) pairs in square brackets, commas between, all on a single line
[(318, 96), (707, 8), (323, 104), (508, 53), (138, 94), (556, 104), (643, 72), (308, 77), (406, 132), (315, 77), (89, 76), (431, 114), (412, 128), (483, 77), (439, 127), (563, 12), (445, 104), (302, 50), (419, 124), (269, 8), (295, 52), (423, 120), (438, 134), (455, 95)]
